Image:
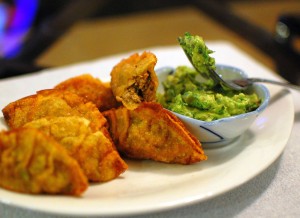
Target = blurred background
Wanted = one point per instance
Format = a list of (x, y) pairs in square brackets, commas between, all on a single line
[(38, 34)]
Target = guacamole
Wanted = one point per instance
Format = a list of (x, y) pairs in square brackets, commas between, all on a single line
[(198, 54), (186, 94)]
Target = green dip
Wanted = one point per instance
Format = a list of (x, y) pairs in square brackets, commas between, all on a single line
[(198, 54), (186, 95), (193, 93)]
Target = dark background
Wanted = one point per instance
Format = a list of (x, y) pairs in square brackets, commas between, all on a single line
[(53, 18)]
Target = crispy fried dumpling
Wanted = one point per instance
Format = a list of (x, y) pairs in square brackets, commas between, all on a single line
[(94, 151), (32, 162), (152, 132), (134, 80), (51, 103), (92, 89)]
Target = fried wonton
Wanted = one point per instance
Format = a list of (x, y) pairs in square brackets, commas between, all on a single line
[(92, 89), (51, 103), (134, 80), (93, 150), (152, 132), (32, 162), (96, 153)]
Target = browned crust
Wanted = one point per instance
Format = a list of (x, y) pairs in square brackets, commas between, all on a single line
[(32, 162), (92, 89), (152, 132), (51, 102), (96, 153)]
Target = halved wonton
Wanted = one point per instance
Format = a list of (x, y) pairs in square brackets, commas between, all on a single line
[(152, 132), (32, 162), (134, 80)]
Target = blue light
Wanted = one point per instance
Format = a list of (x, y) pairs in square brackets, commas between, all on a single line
[(15, 24)]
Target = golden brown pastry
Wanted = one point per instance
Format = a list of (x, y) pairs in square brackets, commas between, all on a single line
[(134, 80), (93, 150), (77, 125), (152, 132), (92, 89), (31, 162), (51, 103)]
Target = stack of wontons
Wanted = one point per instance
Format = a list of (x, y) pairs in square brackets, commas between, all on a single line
[(62, 138)]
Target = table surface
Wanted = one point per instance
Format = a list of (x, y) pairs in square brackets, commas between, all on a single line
[(96, 38), (273, 193)]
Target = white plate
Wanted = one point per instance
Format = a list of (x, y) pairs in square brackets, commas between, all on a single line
[(148, 186)]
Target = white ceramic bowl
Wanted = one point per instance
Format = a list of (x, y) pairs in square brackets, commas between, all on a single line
[(223, 131)]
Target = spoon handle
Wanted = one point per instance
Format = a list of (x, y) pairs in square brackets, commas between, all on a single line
[(288, 85)]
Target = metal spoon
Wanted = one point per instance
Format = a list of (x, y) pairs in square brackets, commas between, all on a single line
[(240, 84), (244, 83)]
